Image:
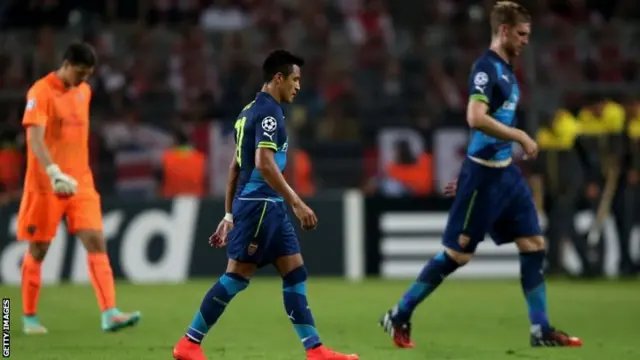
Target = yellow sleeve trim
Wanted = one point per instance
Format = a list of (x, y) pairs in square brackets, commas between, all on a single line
[(268, 145), (479, 97)]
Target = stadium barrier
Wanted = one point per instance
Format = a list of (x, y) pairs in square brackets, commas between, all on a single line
[(403, 233), (164, 241)]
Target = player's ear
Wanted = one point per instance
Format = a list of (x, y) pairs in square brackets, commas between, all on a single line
[(503, 29)]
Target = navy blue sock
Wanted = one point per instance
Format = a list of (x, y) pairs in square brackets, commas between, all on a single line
[(432, 275), (534, 288), (213, 305), (294, 292)]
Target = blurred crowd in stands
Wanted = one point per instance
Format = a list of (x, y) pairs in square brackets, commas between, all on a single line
[(383, 98), (170, 66)]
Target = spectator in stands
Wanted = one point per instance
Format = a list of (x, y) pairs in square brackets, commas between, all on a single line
[(337, 125), (224, 16), (173, 11), (12, 162), (301, 172), (47, 55), (183, 169), (555, 173), (408, 174), (603, 125), (137, 149), (625, 202), (207, 66), (371, 30)]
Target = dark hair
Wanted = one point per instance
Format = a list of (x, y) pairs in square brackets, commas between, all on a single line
[(81, 54), (180, 137), (508, 13), (280, 61)]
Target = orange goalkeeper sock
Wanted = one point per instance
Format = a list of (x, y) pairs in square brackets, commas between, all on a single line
[(31, 283), (102, 280)]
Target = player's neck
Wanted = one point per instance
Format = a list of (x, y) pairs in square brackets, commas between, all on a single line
[(61, 78), (271, 91), (496, 48)]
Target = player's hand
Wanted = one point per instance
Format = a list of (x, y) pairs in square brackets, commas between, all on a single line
[(529, 146), (219, 238), (306, 216), (61, 183), (451, 188)]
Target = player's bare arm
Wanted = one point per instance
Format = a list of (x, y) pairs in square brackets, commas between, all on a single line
[(266, 164), (62, 183), (219, 238), (35, 141), (477, 118), (232, 181)]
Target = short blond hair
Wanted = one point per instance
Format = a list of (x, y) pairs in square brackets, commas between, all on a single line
[(508, 13)]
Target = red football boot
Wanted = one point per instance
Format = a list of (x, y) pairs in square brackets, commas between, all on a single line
[(554, 338), (400, 331), (324, 353), (187, 350)]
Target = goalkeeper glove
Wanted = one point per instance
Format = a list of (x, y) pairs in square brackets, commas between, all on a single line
[(61, 183)]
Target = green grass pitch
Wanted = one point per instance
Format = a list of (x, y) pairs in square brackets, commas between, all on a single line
[(474, 320)]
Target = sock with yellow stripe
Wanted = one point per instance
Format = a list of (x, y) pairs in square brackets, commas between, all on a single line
[(294, 292), (214, 304)]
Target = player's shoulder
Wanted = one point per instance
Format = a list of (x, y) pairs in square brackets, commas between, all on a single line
[(483, 71), (265, 104), (40, 87), (264, 108), (84, 87), (483, 63)]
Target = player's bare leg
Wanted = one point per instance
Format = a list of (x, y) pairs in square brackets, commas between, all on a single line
[(397, 321), (31, 283), (236, 278), (532, 254), (102, 280), (294, 291)]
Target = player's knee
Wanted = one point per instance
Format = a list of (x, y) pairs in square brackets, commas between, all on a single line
[(288, 263), (93, 241), (459, 257), (38, 250), (295, 279), (246, 270), (531, 244), (233, 283)]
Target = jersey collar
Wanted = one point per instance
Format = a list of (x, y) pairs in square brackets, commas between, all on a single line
[(494, 55), (266, 95), (55, 81)]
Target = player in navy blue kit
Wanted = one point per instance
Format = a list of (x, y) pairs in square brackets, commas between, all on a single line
[(256, 228), (491, 196)]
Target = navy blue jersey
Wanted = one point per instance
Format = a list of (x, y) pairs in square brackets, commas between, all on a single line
[(259, 125), (492, 81)]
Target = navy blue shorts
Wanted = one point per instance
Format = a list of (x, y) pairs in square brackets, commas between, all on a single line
[(494, 201), (262, 232)]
